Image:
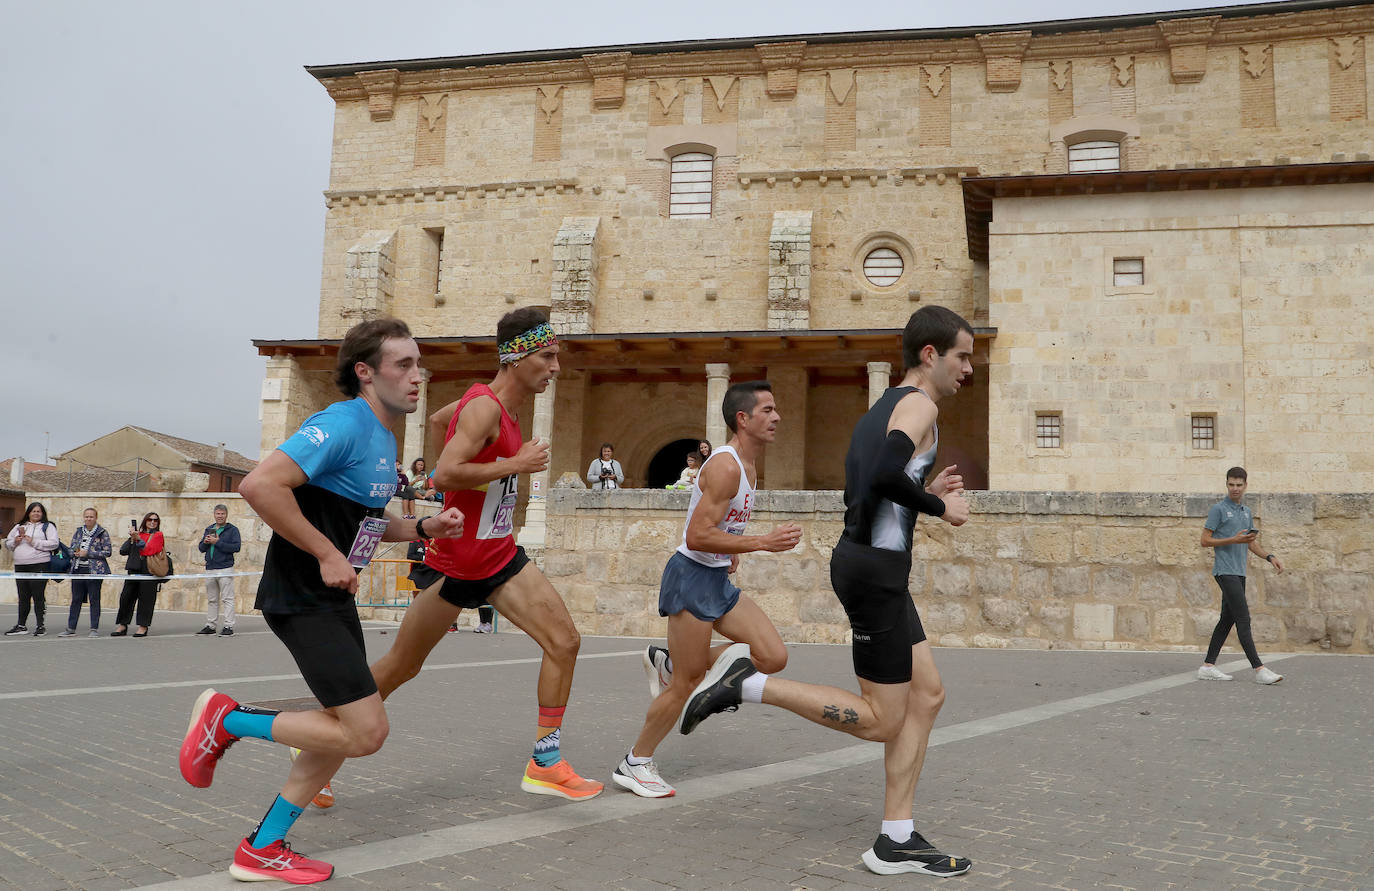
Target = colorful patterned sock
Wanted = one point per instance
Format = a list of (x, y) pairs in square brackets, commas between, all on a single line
[(546, 747)]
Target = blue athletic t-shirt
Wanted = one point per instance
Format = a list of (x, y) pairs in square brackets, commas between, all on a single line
[(349, 460), (1227, 519)]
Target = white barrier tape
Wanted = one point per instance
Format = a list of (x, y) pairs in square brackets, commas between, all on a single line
[(66, 576)]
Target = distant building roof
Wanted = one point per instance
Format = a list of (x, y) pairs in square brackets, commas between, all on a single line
[(202, 453), (80, 481)]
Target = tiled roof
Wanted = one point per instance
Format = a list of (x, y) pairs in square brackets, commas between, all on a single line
[(202, 453), (79, 481)]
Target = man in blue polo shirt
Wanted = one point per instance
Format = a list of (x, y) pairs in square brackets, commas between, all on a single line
[(1230, 532)]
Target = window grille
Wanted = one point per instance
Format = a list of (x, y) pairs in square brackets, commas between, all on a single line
[(1127, 271), (1204, 432), (1048, 428), (1094, 157), (883, 267), (689, 185)]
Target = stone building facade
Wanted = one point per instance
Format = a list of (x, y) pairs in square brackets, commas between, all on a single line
[(847, 180)]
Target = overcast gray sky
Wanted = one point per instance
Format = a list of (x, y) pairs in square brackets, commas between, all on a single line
[(161, 170)]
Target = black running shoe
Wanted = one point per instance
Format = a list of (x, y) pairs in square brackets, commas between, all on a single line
[(888, 858), (719, 691), (208, 629)]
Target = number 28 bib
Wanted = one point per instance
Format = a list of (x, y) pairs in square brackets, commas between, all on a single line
[(498, 508)]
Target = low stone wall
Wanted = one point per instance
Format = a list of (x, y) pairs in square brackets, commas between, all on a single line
[(1030, 569)]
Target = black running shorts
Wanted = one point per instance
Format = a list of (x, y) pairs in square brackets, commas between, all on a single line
[(328, 648), (871, 584), (469, 593)]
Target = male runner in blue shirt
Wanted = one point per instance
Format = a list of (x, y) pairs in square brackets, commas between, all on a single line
[(323, 492)]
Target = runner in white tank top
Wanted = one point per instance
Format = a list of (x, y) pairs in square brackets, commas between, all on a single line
[(696, 594), (736, 516)]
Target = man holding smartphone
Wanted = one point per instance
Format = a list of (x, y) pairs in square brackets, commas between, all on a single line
[(1230, 532)]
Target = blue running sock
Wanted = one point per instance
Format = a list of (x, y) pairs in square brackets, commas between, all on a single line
[(254, 723), (275, 823)]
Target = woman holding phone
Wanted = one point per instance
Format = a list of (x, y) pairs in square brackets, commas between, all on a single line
[(143, 542), (32, 542)]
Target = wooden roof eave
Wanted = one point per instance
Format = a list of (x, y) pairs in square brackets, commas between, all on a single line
[(683, 351)]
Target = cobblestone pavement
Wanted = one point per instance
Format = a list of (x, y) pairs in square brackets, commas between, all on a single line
[(1048, 769)]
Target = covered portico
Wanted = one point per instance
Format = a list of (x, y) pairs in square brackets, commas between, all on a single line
[(651, 393)]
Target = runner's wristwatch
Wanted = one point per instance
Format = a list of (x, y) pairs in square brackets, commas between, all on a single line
[(420, 528)]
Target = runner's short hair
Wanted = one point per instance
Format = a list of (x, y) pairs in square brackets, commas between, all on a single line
[(363, 343), (741, 397), (931, 326), (1236, 473)]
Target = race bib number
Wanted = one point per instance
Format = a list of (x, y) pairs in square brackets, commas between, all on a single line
[(370, 532), (498, 509)]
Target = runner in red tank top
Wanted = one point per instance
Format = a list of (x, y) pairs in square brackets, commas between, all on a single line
[(478, 470)]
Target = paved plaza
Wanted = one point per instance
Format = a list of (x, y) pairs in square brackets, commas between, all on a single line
[(1048, 769)]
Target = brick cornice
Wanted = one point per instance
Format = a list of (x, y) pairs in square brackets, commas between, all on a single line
[(781, 62), (1002, 54), (381, 92)]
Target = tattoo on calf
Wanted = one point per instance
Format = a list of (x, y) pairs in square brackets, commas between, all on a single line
[(851, 716), (831, 713)]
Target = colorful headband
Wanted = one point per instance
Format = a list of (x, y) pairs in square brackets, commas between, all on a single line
[(532, 341)]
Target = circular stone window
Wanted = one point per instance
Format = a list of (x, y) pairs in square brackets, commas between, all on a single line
[(883, 267)]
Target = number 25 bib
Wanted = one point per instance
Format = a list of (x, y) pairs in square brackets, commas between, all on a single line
[(498, 509)]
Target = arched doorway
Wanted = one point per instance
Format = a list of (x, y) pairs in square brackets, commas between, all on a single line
[(667, 463)]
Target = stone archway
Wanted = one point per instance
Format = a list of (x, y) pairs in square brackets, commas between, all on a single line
[(666, 465)]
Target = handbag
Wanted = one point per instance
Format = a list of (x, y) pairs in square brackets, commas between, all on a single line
[(159, 564), (61, 559)]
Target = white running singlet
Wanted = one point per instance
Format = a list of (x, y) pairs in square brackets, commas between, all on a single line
[(736, 515)]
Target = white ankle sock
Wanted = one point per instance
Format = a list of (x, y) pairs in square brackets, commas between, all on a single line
[(634, 760), (751, 688), (899, 830)]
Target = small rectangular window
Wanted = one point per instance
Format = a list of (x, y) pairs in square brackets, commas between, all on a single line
[(1048, 427), (1204, 432), (1094, 157), (436, 237), (1127, 271)]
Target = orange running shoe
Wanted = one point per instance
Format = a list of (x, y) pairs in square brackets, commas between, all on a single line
[(324, 798), (560, 780)]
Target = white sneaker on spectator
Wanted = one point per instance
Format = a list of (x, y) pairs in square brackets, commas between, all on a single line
[(1265, 676), (1212, 673)]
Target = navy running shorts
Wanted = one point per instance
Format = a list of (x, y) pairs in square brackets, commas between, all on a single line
[(704, 591), (871, 584)]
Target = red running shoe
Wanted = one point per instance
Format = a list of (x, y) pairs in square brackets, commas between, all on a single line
[(277, 863), (206, 739)]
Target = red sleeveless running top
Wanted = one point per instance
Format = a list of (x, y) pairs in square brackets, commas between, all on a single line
[(488, 511)]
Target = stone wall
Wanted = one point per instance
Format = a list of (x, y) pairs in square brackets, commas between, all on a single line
[(1041, 570), (1255, 311)]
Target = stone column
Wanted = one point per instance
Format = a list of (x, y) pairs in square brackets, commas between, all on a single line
[(787, 456), (717, 382), (286, 402), (417, 424), (532, 534), (879, 379)]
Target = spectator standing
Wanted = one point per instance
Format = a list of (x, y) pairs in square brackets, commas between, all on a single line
[(407, 494), (90, 546), (143, 542), (605, 472), (219, 543), (32, 542)]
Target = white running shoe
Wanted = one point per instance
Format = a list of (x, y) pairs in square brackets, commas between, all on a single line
[(656, 667), (642, 779), (1212, 673), (1265, 676)]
